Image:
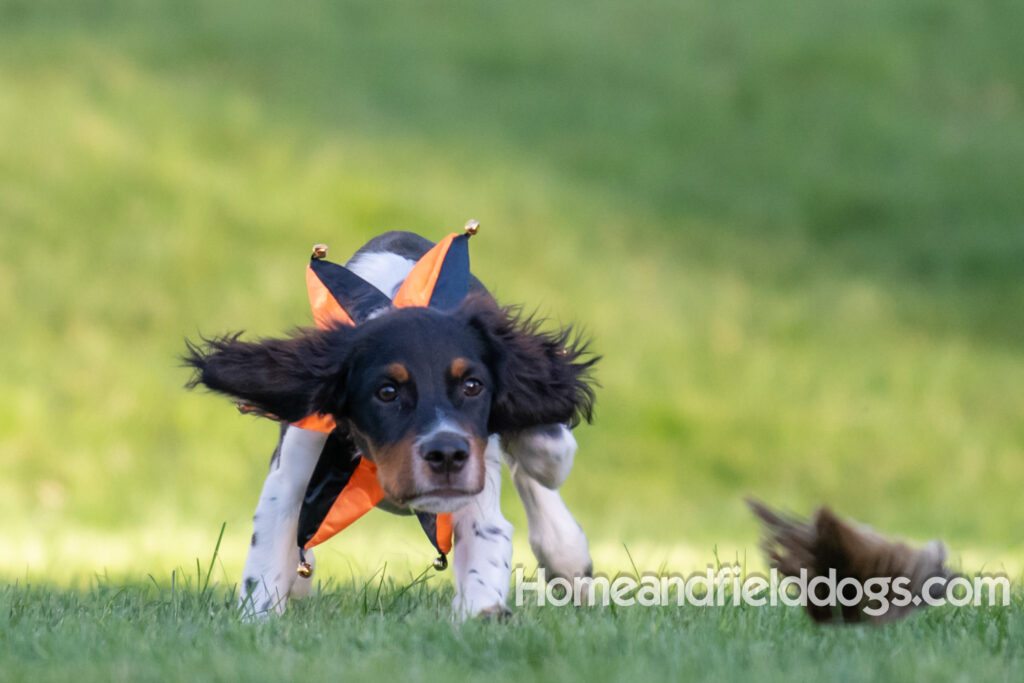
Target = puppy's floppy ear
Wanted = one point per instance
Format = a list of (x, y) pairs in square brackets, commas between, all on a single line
[(540, 377), (290, 378)]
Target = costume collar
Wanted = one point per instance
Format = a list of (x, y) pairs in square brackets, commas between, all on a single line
[(440, 279)]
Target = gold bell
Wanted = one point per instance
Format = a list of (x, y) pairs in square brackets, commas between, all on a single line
[(319, 251), (305, 569), (441, 562), (472, 227)]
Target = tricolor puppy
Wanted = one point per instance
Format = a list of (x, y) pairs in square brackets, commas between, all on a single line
[(408, 395)]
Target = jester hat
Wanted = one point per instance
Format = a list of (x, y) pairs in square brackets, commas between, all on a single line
[(342, 489)]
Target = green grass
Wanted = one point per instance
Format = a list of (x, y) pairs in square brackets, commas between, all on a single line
[(381, 628), (795, 231)]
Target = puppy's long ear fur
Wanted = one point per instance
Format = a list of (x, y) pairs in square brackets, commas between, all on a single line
[(290, 378), (541, 377)]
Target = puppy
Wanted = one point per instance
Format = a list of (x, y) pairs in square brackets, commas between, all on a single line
[(434, 400)]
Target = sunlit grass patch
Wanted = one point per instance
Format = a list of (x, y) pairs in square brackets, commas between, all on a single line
[(376, 626)]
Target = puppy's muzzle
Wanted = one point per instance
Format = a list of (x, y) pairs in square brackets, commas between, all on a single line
[(445, 453)]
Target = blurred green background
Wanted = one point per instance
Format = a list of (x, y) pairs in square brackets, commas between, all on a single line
[(794, 229)]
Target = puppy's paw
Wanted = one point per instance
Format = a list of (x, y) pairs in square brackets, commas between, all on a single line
[(484, 607), (258, 599), (496, 613), (561, 547)]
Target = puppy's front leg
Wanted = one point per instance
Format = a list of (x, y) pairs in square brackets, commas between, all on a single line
[(274, 554), (482, 557), (540, 460)]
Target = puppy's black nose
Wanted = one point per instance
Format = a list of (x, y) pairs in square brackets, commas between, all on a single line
[(446, 453)]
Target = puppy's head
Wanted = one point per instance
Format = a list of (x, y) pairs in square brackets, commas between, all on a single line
[(418, 390)]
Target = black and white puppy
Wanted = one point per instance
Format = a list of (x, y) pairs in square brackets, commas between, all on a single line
[(436, 400)]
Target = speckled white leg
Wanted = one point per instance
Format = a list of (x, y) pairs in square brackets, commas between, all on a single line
[(482, 557), (538, 458), (269, 573)]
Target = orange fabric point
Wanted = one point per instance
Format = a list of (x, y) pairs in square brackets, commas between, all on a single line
[(327, 312), (360, 495), (444, 533), (317, 422), (419, 283)]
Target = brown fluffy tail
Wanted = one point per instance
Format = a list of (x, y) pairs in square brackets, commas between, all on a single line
[(853, 551)]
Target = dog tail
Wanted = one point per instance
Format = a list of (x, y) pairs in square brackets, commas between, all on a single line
[(852, 550)]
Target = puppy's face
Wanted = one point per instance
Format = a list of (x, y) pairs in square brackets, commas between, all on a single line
[(418, 390), (417, 401)]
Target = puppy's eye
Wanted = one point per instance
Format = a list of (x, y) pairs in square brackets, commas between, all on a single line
[(387, 393), (472, 386)]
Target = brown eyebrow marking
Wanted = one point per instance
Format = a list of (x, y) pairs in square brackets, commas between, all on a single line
[(458, 367), (398, 372)]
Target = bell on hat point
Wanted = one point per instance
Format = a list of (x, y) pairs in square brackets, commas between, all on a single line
[(472, 227), (319, 251)]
